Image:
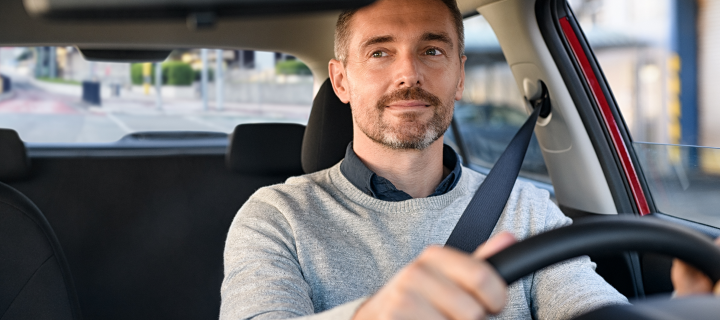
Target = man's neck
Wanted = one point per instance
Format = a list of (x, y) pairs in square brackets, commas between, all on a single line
[(416, 172)]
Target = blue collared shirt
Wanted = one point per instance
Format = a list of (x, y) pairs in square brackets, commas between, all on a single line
[(380, 188)]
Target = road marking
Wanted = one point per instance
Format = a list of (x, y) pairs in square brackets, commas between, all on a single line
[(205, 123), (119, 123)]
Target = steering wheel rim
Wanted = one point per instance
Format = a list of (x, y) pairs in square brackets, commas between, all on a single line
[(604, 235)]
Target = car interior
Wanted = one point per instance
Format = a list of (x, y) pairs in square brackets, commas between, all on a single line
[(136, 230)]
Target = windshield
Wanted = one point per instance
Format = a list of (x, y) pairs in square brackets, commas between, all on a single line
[(54, 95)]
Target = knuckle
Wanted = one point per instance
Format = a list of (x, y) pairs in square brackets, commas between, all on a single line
[(398, 303), (395, 314), (480, 279), (431, 252), (498, 303), (412, 272), (475, 312)]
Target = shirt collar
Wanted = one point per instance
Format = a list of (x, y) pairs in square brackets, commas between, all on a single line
[(380, 188)]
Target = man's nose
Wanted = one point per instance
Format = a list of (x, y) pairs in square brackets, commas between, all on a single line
[(408, 71)]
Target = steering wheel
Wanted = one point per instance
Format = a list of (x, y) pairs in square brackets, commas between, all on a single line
[(598, 236)]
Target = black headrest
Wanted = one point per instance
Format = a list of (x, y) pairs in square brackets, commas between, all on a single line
[(14, 162), (329, 131), (266, 149)]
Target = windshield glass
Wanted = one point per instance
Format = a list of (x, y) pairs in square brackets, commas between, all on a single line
[(54, 95)]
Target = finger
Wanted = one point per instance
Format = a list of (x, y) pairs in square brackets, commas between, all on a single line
[(687, 280), (474, 276), (398, 302), (448, 297), (421, 309), (494, 245)]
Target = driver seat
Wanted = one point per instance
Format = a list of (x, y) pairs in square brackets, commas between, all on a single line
[(329, 131), (35, 281)]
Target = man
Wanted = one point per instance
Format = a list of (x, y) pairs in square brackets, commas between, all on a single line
[(363, 239)]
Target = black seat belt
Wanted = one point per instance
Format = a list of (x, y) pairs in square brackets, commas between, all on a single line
[(481, 215)]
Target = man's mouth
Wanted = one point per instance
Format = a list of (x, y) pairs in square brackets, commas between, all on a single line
[(408, 104)]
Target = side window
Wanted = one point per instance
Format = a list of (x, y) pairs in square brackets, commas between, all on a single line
[(661, 68), (492, 109), (54, 95)]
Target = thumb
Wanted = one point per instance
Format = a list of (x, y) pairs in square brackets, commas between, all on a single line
[(494, 245)]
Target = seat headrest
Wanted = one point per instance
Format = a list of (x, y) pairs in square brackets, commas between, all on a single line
[(14, 162), (329, 131), (266, 149)]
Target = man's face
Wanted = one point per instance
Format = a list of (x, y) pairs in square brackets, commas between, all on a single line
[(403, 72)]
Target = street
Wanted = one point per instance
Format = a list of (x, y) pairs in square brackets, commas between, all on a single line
[(41, 116)]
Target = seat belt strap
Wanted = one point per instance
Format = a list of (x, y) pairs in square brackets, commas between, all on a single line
[(482, 214)]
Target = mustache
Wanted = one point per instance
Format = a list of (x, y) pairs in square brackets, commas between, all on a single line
[(412, 93)]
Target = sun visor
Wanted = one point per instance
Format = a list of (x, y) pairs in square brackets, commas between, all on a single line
[(183, 9)]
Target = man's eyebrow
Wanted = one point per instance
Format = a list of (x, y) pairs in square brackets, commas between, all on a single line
[(442, 37), (378, 39)]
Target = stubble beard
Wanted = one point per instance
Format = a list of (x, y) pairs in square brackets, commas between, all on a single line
[(412, 132)]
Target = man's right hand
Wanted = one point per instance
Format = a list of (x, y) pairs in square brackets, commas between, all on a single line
[(443, 283)]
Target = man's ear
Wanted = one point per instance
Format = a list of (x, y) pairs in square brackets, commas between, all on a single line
[(461, 84), (338, 79)]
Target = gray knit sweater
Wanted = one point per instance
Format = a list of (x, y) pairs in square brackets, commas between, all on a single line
[(316, 247)]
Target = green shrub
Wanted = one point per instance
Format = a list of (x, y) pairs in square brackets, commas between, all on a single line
[(288, 67), (177, 73), (136, 73), (173, 73)]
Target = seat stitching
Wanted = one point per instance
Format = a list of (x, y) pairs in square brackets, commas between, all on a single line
[(54, 250), (26, 283)]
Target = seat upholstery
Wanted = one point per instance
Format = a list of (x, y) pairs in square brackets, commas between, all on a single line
[(268, 149), (35, 281), (14, 162), (328, 132)]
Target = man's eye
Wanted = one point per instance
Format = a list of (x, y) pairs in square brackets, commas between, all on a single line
[(433, 52), (379, 54)]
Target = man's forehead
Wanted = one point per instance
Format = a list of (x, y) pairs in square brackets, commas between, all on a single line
[(399, 19)]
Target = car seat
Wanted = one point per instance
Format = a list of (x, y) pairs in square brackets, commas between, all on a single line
[(267, 149), (328, 132), (35, 280)]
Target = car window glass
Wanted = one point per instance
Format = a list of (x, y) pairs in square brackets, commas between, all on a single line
[(660, 60), (54, 95), (492, 109)]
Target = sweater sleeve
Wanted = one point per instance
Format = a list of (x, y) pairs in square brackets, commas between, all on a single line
[(263, 278), (569, 288)]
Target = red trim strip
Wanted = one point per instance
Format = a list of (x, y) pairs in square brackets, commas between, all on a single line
[(607, 115)]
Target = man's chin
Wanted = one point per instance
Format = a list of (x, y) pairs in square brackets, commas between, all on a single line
[(408, 141), (405, 118)]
